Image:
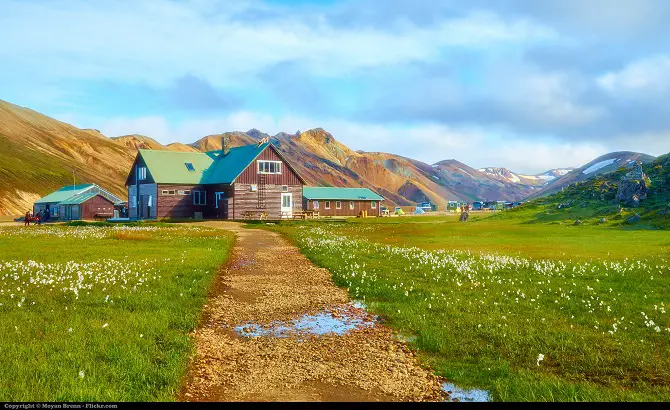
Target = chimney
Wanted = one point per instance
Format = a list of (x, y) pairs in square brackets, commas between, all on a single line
[(224, 146)]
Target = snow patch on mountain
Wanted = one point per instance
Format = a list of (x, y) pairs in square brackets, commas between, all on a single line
[(599, 165)]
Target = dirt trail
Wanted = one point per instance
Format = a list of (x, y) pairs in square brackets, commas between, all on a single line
[(266, 280)]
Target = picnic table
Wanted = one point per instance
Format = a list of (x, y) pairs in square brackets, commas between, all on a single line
[(310, 213), (293, 215), (261, 215)]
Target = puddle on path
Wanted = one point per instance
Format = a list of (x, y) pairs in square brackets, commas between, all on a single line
[(473, 395), (239, 264), (337, 320)]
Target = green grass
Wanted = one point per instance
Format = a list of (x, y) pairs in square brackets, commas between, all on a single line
[(485, 298), (148, 286)]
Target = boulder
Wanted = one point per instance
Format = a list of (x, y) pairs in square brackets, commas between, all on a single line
[(634, 219), (577, 222), (633, 187)]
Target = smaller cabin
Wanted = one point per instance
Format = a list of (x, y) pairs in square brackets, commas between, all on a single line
[(332, 201), (73, 202)]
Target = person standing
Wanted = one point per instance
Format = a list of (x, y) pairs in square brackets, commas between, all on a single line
[(26, 220)]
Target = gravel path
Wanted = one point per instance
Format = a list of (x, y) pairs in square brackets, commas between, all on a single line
[(267, 280)]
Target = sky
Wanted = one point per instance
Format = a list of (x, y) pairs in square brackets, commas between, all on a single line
[(527, 85)]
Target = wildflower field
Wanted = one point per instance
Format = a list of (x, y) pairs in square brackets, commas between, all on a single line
[(527, 311), (101, 313)]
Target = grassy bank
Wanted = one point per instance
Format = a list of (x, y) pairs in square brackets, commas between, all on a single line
[(482, 301), (101, 313)]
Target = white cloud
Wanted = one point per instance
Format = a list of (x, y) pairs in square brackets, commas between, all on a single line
[(156, 41), (644, 78)]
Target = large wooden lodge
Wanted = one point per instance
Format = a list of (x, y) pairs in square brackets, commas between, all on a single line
[(222, 184)]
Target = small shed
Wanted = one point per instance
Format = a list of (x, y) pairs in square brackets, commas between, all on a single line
[(72, 202), (334, 201)]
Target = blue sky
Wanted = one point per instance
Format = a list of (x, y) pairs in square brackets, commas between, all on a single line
[(523, 84)]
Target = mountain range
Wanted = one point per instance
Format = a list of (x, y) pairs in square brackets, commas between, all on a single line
[(40, 154)]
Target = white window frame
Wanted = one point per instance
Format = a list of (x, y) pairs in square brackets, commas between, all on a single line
[(186, 192), (373, 204), (265, 167), (315, 204), (141, 173), (327, 204), (164, 192), (202, 198), (351, 205), (338, 204)]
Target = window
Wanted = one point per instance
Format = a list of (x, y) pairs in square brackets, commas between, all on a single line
[(199, 198), (327, 204), (186, 192), (373, 205), (190, 167), (133, 201), (141, 173), (284, 188), (164, 192), (315, 204), (171, 192), (168, 192), (269, 167), (338, 205), (351, 204), (180, 192)]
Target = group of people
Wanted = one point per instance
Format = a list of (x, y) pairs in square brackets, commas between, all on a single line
[(42, 215)]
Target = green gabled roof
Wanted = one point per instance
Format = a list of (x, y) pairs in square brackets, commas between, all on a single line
[(79, 199), (344, 194), (169, 167), (226, 169), (64, 193)]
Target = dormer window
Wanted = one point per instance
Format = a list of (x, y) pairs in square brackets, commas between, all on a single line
[(190, 167)]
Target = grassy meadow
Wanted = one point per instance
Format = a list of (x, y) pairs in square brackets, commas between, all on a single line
[(530, 311), (101, 312)]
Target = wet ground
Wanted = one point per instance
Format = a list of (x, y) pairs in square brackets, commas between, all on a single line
[(458, 394), (276, 328)]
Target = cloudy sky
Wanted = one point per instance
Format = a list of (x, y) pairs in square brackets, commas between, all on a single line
[(529, 85)]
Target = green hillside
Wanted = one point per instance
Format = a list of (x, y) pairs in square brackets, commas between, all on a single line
[(593, 202)]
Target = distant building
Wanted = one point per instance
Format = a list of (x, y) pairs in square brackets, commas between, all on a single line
[(332, 201), (72, 202)]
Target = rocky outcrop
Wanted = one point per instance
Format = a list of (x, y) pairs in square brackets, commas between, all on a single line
[(633, 187), (634, 219)]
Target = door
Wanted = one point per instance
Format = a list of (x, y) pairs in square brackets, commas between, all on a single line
[(287, 205), (221, 205)]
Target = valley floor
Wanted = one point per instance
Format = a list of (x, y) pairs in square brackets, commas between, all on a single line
[(530, 312)]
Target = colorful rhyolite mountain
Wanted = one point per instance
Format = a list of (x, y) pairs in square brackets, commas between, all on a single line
[(40, 154)]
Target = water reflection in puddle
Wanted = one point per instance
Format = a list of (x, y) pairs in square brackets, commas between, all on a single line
[(473, 395), (337, 320)]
